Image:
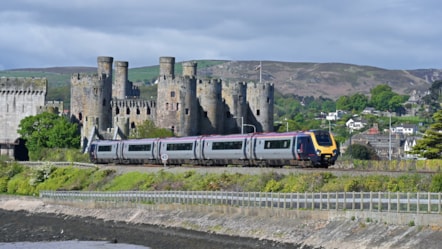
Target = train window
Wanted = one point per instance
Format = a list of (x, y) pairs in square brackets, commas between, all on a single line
[(180, 146), (105, 148), (235, 145), (323, 138), (277, 144), (139, 147)]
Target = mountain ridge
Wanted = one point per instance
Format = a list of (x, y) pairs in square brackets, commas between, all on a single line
[(327, 80)]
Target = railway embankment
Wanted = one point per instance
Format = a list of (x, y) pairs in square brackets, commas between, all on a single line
[(313, 229)]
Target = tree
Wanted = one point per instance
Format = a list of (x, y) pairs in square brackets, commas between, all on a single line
[(430, 146), (358, 101), (362, 152), (48, 130), (343, 103), (148, 130), (383, 98), (435, 97)]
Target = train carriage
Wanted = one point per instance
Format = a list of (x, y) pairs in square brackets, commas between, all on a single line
[(279, 149), (138, 151), (224, 150), (176, 151), (104, 151)]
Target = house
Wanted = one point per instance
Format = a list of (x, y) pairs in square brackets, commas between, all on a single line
[(409, 143), (406, 129), (354, 124), (368, 110), (333, 116)]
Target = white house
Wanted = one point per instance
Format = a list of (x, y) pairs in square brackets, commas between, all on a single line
[(408, 145), (354, 124), (335, 115), (406, 129)]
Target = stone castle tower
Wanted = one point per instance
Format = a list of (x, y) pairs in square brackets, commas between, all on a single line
[(19, 98), (176, 101), (185, 104)]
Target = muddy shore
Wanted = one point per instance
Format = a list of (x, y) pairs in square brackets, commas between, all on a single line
[(19, 226), (178, 226)]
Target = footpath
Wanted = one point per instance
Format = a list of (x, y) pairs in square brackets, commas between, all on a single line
[(258, 227)]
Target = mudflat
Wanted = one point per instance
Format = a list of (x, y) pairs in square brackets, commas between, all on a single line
[(22, 226)]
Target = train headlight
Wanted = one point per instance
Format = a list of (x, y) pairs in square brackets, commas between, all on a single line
[(335, 152), (318, 152)]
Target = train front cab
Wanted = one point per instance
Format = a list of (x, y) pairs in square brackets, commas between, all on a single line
[(326, 147)]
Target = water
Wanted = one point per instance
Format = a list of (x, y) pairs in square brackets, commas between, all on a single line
[(69, 245)]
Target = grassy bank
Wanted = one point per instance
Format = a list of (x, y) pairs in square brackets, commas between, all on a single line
[(22, 180)]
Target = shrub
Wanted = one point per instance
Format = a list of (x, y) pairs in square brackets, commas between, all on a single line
[(436, 183)]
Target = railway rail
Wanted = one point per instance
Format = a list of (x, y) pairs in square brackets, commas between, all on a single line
[(148, 168)]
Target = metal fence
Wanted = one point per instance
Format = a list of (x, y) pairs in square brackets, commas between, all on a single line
[(356, 201), (39, 163)]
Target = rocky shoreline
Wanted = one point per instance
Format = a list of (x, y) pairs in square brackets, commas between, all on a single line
[(175, 226)]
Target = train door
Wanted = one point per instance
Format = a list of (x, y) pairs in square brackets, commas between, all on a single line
[(93, 153), (248, 147), (304, 148), (199, 148)]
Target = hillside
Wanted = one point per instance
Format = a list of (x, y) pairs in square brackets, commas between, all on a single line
[(329, 80)]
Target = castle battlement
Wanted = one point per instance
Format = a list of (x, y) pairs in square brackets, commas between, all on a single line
[(23, 85), (132, 103)]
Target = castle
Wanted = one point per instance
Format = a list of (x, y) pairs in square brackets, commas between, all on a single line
[(109, 106), (185, 104)]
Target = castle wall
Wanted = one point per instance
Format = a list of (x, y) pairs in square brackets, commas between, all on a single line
[(135, 111), (120, 85), (212, 111), (19, 98), (104, 94), (260, 97), (235, 99), (177, 105), (91, 96)]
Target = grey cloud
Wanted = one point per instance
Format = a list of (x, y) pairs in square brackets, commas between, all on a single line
[(392, 34)]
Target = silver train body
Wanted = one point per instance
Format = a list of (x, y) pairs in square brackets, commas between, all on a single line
[(257, 149)]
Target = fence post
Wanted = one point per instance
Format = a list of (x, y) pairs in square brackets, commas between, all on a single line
[(438, 204), (371, 201), (336, 201), (389, 201), (429, 202), (345, 201), (353, 204), (418, 203), (305, 200), (328, 200), (379, 202)]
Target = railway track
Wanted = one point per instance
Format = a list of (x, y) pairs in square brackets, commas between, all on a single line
[(150, 168)]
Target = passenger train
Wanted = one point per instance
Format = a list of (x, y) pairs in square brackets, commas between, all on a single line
[(315, 148)]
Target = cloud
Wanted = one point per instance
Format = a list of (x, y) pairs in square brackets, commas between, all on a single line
[(394, 34)]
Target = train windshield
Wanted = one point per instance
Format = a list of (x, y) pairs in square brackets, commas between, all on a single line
[(323, 138)]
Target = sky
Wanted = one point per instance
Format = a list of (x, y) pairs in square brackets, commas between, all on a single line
[(390, 34)]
